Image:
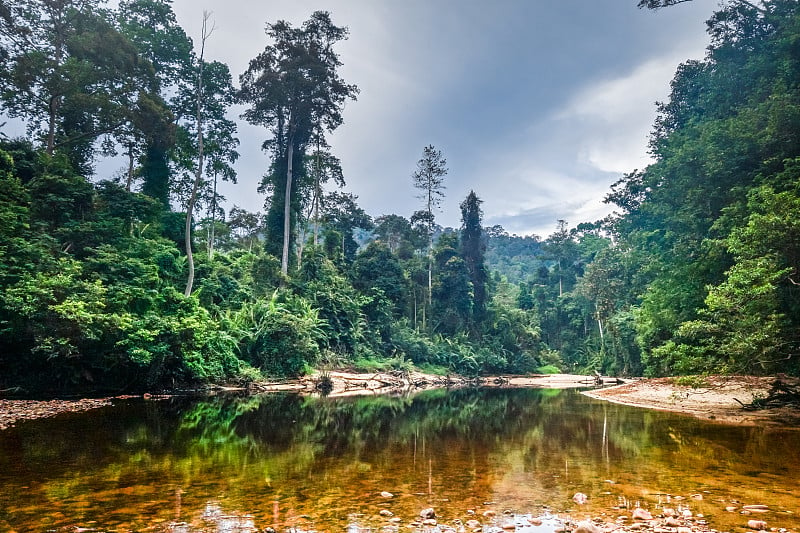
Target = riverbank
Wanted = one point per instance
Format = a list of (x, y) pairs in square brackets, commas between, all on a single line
[(712, 398)]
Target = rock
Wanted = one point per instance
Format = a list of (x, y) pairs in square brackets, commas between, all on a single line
[(642, 514), (473, 524), (396, 520), (386, 512), (684, 530), (759, 507), (622, 518), (698, 497), (535, 521), (580, 498), (730, 508), (668, 512), (671, 521), (429, 522), (427, 513), (586, 527), (686, 513), (387, 494), (758, 525), (489, 513), (470, 512)]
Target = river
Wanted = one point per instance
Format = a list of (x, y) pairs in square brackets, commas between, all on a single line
[(312, 463)]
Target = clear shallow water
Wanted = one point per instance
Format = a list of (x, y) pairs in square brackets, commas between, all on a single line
[(319, 463)]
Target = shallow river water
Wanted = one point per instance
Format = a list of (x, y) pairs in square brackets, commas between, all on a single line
[(322, 463)]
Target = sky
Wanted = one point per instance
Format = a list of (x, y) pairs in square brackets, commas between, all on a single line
[(537, 105)]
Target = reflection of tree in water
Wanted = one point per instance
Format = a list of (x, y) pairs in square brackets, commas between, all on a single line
[(327, 458)]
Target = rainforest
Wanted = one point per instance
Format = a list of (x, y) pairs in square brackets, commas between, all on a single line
[(142, 281)]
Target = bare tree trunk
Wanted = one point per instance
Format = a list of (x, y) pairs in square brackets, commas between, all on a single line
[(211, 234), (199, 172), (55, 102), (317, 196), (129, 182), (287, 208)]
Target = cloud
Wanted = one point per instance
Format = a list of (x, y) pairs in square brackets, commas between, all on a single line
[(569, 157), (616, 116)]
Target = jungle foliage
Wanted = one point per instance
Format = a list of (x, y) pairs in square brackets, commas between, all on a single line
[(697, 271)]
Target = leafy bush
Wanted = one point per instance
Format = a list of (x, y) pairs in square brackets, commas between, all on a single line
[(279, 336)]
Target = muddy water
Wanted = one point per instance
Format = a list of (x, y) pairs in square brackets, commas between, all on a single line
[(318, 463)]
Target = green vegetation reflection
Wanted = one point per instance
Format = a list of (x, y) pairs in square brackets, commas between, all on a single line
[(328, 458)]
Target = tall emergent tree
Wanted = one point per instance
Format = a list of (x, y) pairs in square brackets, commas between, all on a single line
[(69, 74), (292, 88), (198, 177), (153, 27), (473, 251), (429, 179)]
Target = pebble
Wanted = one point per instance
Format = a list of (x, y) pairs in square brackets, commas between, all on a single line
[(642, 514), (428, 513), (473, 524), (587, 527), (580, 498), (387, 494), (671, 521), (489, 513), (386, 512), (757, 524)]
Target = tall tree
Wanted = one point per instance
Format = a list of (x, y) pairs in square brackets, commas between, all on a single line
[(152, 26), (204, 35), (473, 251), (292, 87), (321, 167), (69, 74), (429, 179)]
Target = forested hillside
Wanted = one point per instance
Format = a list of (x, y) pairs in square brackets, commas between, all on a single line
[(143, 280)]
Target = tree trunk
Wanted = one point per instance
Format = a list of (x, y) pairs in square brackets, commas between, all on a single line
[(287, 208), (129, 182), (199, 173), (212, 233)]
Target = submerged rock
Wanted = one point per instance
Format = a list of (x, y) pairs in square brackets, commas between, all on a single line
[(427, 513), (580, 498), (586, 527)]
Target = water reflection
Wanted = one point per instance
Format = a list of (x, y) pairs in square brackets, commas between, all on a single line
[(285, 461)]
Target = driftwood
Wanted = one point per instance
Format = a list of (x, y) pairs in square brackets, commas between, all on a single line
[(781, 394)]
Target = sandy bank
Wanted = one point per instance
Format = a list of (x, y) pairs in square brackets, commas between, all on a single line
[(713, 398)]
